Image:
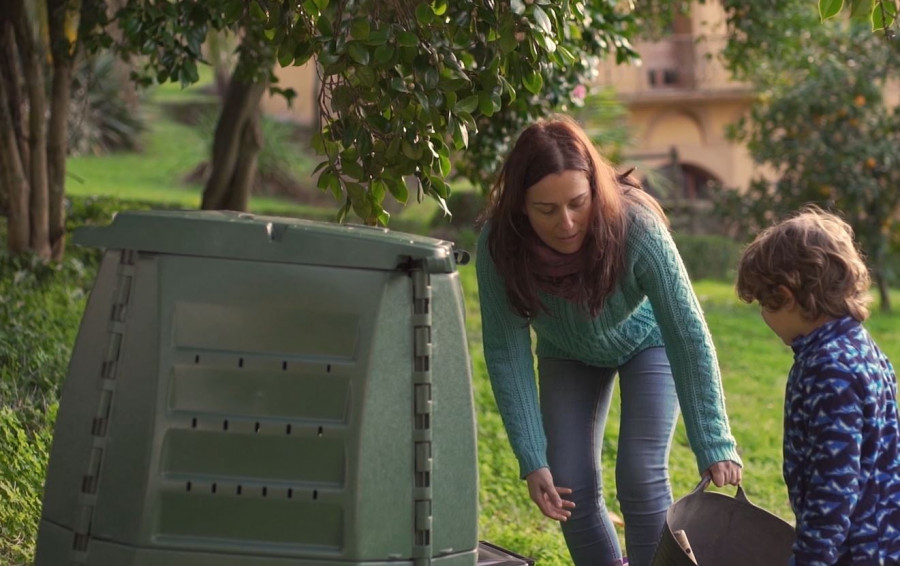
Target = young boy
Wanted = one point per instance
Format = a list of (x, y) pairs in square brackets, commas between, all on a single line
[(841, 452)]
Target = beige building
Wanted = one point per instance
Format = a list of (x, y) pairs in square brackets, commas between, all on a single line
[(680, 101), (305, 106)]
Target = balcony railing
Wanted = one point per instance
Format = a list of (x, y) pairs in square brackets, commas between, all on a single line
[(681, 64)]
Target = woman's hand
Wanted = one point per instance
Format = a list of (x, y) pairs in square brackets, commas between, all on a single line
[(548, 496), (724, 472)]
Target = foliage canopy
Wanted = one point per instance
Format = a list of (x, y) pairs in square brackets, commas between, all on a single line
[(405, 84)]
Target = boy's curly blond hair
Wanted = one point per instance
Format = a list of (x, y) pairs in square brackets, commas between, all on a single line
[(814, 256)]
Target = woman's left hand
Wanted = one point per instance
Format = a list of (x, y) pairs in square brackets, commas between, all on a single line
[(725, 472)]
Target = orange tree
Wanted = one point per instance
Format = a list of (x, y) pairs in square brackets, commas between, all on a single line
[(820, 122)]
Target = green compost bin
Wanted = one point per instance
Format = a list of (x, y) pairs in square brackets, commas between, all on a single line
[(262, 391)]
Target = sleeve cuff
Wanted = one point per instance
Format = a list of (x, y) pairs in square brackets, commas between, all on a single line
[(722, 454), (530, 462)]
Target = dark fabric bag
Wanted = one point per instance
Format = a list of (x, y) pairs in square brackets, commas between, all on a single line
[(713, 529)]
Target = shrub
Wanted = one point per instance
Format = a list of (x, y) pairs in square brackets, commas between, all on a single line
[(101, 119), (708, 257)]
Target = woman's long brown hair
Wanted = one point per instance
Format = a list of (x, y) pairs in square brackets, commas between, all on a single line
[(552, 146)]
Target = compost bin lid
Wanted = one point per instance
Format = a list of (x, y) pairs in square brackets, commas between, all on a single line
[(239, 235)]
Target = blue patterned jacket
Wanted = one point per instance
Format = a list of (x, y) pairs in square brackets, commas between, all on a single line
[(841, 448)]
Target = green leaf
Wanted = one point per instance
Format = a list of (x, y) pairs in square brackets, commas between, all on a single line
[(407, 39), (377, 188), (358, 52), (467, 104), (453, 84), (411, 151), (533, 81), (517, 6), (398, 189), (496, 101), (439, 186), (431, 78), (318, 142), (328, 180), (342, 97), (323, 24), (444, 162), (548, 43), (322, 181), (440, 7), (352, 169), (188, 74), (508, 88), (543, 20), (460, 135), (442, 203), (485, 105), (269, 33), (393, 149), (507, 39), (257, 12), (398, 84), (358, 198), (286, 55), (378, 36), (424, 14), (342, 213), (383, 53), (829, 8), (566, 54), (883, 15), (359, 29)]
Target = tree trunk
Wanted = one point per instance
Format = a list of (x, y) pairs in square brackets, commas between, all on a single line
[(884, 292), (10, 74), (228, 185), (12, 176), (246, 167), (32, 69), (62, 12)]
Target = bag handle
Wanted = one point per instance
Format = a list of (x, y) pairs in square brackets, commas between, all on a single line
[(706, 480)]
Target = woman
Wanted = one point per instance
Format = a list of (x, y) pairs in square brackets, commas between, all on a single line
[(583, 257)]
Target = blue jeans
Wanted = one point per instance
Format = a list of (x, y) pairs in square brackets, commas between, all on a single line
[(575, 401)]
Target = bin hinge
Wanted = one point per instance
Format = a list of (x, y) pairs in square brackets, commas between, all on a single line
[(422, 401), (108, 374)]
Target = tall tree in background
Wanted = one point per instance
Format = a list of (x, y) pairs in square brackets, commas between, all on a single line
[(38, 41), (820, 123)]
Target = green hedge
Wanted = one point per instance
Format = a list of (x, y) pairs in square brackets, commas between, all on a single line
[(709, 257)]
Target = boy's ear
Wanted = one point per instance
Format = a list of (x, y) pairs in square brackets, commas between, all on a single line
[(789, 301)]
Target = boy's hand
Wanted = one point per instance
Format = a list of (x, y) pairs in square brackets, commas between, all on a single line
[(725, 472), (548, 496)]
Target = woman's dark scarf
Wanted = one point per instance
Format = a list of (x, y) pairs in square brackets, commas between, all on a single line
[(557, 273)]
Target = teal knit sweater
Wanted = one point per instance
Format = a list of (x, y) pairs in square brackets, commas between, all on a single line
[(653, 305)]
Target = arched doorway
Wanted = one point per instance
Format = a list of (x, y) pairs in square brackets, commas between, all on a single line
[(685, 190), (675, 182)]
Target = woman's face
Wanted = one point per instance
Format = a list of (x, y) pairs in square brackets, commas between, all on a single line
[(559, 207)]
